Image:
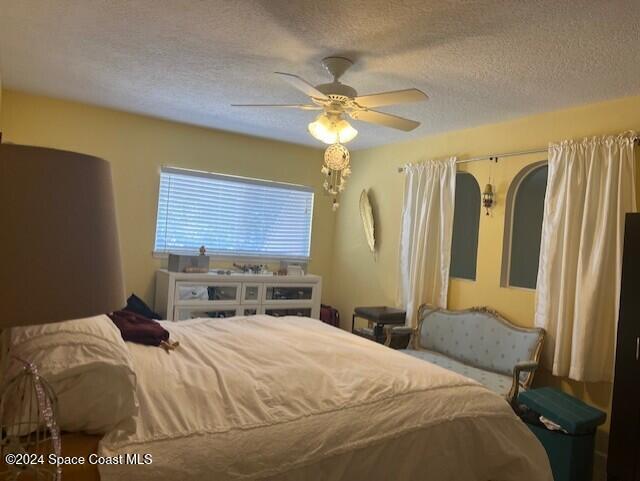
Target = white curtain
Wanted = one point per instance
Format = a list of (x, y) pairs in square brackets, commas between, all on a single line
[(427, 228), (590, 188)]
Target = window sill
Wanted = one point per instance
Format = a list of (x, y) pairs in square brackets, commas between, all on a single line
[(462, 279), (518, 288)]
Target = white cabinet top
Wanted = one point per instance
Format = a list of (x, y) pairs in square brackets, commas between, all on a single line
[(239, 277)]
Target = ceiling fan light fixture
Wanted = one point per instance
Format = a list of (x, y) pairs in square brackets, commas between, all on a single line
[(332, 131), (346, 132)]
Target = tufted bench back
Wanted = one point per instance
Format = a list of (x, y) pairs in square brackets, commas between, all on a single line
[(478, 337)]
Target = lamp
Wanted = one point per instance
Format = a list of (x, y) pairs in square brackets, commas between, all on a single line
[(58, 239), (332, 129), (487, 197)]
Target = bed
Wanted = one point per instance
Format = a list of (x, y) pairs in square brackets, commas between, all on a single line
[(290, 398)]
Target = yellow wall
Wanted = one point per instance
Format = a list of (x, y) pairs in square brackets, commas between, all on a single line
[(360, 278), (137, 146)]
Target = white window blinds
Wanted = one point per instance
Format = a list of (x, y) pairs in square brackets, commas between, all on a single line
[(232, 216)]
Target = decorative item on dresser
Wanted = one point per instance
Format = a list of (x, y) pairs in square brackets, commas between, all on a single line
[(181, 296), (189, 263), (624, 436)]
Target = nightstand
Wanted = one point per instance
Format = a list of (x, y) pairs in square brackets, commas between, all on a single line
[(378, 317)]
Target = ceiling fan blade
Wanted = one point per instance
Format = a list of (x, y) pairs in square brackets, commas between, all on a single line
[(302, 85), (391, 98), (387, 120), (282, 106)]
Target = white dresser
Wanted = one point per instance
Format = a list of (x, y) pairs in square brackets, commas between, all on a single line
[(181, 296)]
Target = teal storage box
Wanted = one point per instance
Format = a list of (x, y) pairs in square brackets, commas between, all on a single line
[(571, 452)]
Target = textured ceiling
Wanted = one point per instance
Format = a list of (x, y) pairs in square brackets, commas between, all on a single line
[(479, 61)]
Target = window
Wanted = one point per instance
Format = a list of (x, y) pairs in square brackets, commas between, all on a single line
[(466, 220), (232, 216), (523, 227)]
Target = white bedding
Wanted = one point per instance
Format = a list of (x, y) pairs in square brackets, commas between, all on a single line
[(263, 398)]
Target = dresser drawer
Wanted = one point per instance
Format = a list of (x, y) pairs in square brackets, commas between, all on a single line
[(207, 293)]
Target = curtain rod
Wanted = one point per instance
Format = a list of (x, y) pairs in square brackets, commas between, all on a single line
[(495, 157)]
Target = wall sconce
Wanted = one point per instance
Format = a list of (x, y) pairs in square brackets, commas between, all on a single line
[(487, 197)]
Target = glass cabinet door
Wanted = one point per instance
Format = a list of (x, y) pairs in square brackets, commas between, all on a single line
[(251, 293), (222, 293), (288, 293), (190, 292)]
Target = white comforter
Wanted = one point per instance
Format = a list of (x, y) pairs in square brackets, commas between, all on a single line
[(294, 399)]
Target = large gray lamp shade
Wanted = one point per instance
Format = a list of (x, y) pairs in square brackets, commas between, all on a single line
[(59, 248)]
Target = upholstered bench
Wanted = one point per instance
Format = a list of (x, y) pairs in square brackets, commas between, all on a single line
[(477, 343)]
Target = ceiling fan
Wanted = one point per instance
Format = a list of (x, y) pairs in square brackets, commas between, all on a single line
[(336, 100)]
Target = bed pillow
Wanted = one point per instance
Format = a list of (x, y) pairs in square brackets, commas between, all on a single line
[(88, 365), (137, 305)]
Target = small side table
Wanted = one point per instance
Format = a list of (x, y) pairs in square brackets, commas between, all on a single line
[(377, 317)]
